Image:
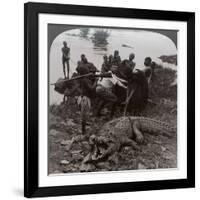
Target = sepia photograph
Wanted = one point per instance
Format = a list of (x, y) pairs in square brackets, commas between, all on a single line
[(108, 99), (112, 99)]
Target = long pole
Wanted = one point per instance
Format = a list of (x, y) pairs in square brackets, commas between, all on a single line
[(108, 75)]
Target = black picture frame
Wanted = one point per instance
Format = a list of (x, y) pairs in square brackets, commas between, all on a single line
[(31, 12)]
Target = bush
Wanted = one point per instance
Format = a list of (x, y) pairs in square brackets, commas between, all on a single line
[(161, 85)]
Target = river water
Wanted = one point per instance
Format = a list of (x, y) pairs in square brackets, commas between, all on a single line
[(141, 43)]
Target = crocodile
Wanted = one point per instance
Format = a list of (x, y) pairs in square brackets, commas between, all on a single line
[(124, 131)]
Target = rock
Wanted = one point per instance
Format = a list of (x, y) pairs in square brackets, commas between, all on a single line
[(127, 148), (149, 145), (86, 146), (157, 142), (76, 152), (63, 123), (104, 111), (56, 172), (114, 158), (70, 168), (151, 166), (53, 132), (141, 166), (70, 122), (87, 158), (77, 156), (168, 156), (163, 148), (87, 167), (53, 120), (104, 165), (64, 162), (157, 164), (65, 142)]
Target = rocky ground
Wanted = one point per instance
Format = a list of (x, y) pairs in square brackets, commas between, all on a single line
[(157, 151)]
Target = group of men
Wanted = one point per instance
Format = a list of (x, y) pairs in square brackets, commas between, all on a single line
[(115, 73), (115, 60), (108, 62)]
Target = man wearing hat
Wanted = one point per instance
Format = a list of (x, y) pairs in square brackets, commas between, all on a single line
[(65, 58)]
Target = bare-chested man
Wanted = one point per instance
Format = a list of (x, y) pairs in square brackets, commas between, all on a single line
[(130, 61), (65, 58)]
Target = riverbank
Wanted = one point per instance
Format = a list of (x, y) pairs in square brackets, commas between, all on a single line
[(157, 151)]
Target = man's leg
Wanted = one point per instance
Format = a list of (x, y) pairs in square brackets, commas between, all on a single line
[(67, 61), (137, 133), (129, 142), (85, 105), (63, 62), (106, 96), (113, 109), (111, 97), (100, 105), (83, 125)]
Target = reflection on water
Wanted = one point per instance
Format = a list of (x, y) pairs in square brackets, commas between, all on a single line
[(99, 39), (84, 32), (94, 45)]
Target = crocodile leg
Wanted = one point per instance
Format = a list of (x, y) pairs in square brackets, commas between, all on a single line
[(129, 142), (136, 131)]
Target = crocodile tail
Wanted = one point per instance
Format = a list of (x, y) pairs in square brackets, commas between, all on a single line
[(155, 126)]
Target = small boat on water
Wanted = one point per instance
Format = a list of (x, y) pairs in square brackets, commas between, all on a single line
[(127, 46)]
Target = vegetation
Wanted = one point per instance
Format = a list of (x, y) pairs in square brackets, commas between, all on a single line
[(100, 37), (84, 32)]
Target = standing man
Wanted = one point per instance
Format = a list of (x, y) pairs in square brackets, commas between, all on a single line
[(148, 68), (116, 58), (85, 64), (87, 87), (131, 63), (105, 66), (65, 58)]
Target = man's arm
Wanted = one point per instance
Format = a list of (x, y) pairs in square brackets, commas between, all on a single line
[(118, 81), (76, 89), (90, 86), (121, 85)]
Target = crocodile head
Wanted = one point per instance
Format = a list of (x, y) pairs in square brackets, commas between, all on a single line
[(102, 147)]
